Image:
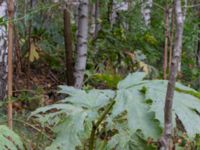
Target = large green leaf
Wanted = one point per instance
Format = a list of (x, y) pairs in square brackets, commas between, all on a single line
[(139, 116), (68, 133), (71, 90), (52, 118), (92, 99), (68, 127), (9, 139), (131, 79), (185, 106), (73, 116), (126, 140), (139, 107)]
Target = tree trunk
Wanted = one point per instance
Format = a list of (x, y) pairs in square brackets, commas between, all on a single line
[(96, 16), (198, 49), (171, 38), (3, 51), (10, 55), (29, 41), (146, 11), (166, 43), (82, 37), (112, 14), (68, 47), (166, 137), (198, 44), (184, 15)]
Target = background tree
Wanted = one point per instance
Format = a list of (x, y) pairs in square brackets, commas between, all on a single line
[(68, 45), (198, 47), (146, 11), (167, 133), (10, 61), (82, 38), (3, 49)]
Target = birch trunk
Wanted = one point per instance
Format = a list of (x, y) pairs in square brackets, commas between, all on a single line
[(3, 51), (171, 37), (112, 13), (166, 43), (166, 137), (82, 37), (146, 11), (114, 8), (184, 15)]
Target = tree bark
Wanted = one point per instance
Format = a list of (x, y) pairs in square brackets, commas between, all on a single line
[(10, 65), (96, 16), (184, 12), (29, 41), (165, 139), (3, 51), (171, 38), (198, 42), (146, 11), (112, 14), (82, 37), (68, 47), (198, 49), (166, 43)]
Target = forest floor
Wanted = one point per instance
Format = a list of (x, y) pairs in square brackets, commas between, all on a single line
[(36, 87)]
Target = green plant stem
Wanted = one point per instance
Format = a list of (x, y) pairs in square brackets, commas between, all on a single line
[(96, 125)]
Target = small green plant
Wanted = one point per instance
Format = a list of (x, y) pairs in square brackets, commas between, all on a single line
[(129, 118)]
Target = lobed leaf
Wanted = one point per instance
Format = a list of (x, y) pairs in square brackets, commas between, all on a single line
[(9, 139)]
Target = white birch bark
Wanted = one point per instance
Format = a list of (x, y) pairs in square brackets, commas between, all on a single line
[(95, 14), (113, 14), (82, 37), (117, 7), (92, 19), (3, 50), (146, 11), (184, 15)]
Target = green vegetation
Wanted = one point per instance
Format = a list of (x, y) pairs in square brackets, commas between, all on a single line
[(120, 53), (124, 118)]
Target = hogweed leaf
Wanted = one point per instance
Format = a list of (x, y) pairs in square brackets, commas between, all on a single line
[(131, 80)]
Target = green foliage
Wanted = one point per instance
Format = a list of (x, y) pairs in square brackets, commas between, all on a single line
[(80, 110), (136, 116), (110, 80), (185, 106), (47, 42), (3, 22), (9, 139), (138, 110), (126, 141), (128, 34), (31, 98)]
